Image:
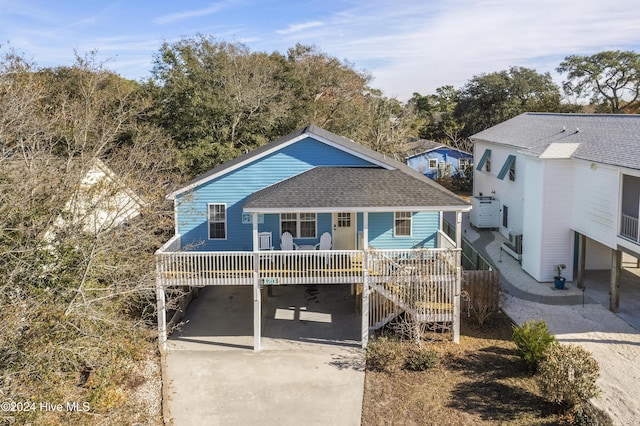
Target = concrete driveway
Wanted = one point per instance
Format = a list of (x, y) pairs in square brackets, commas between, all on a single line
[(310, 371)]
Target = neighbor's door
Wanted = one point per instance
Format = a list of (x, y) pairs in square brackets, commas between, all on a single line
[(344, 231)]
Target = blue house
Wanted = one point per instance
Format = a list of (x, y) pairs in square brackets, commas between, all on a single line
[(313, 185), (436, 160)]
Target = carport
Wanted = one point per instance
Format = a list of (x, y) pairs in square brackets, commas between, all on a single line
[(310, 369)]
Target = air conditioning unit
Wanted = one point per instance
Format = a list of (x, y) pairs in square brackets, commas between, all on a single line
[(514, 247)]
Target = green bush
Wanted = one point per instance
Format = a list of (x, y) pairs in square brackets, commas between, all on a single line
[(383, 354), (532, 339), (567, 374), (421, 359)]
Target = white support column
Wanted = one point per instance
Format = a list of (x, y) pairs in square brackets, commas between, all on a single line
[(458, 229), (456, 301), (257, 296), (161, 308), (365, 279)]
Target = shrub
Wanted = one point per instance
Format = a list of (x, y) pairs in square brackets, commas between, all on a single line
[(383, 354), (567, 374), (532, 339), (421, 359)]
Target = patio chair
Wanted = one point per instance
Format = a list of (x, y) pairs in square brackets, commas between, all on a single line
[(286, 241), (265, 241), (325, 242)]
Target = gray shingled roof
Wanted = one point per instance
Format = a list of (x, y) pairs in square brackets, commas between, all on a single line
[(603, 138), (420, 146), (361, 187)]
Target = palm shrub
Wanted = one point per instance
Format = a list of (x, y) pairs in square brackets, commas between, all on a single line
[(532, 339), (567, 374)]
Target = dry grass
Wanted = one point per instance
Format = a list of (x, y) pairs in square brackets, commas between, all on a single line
[(481, 381)]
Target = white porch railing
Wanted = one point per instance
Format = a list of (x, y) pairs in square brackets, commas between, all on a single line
[(629, 228), (423, 283)]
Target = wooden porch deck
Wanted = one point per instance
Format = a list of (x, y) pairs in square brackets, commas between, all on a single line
[(422, 283)]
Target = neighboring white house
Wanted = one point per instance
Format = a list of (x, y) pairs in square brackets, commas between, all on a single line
[(101, 202), (569, 184)]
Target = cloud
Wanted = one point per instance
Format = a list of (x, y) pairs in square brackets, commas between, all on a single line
[(209, 10), (296, 28)]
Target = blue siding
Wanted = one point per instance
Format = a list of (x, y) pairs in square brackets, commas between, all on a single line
[(423, 233), (234, 187), (420, 163)]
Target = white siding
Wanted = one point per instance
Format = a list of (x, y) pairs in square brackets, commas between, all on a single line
[(597, 256), (595, 201), (509, 193), (532, 215), (557, 236)]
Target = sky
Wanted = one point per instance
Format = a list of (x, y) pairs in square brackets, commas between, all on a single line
[(407, 46)]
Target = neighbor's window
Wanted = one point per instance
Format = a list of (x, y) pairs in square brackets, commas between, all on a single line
[(217, 221), (512, 170), (299, 225), (487, 164), (463, 163), (433, 163), (402, 224)]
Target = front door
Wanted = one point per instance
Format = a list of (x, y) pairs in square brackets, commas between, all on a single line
[(344, 231)]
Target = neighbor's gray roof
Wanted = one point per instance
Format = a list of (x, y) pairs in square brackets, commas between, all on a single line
[(602, 138), (365, 188), (422, 146)]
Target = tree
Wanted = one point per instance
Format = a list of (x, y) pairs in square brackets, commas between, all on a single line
[(75, 304), (606, 78), (489, 99), (216, 99), (437, 114)]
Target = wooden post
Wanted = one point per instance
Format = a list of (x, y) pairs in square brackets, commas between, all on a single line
[(257, 302), (161, 307), (582, 247), (616, 269), (365, 279)]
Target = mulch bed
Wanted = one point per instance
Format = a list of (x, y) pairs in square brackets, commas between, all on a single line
[(481, 381)]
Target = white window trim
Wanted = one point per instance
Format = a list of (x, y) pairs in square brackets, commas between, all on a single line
[(298, 221), (226, 215), (435, 160), (410, 218)]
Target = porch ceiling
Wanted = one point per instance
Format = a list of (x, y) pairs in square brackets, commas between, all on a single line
[(354, 188)]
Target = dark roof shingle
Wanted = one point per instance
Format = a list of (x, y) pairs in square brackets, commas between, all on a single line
[(360, 187)]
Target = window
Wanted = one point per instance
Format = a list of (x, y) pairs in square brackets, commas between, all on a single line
[(433, 163), (505, 216), (463, 163), (508, 167), (485, 161), (289, 223), (299, 225), (217, 221), (512, 171), (344, 220), (402, 224)]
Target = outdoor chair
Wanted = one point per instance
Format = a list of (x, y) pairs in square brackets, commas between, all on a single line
[(286, 241), (265, 241), (325, 242)]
